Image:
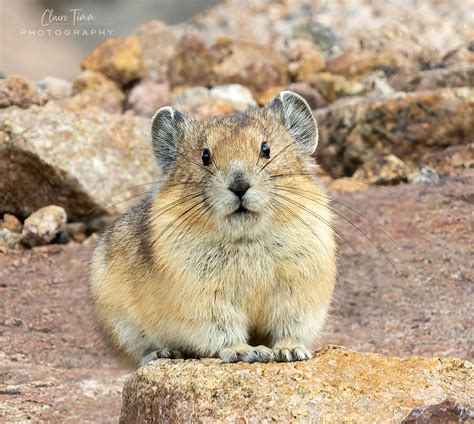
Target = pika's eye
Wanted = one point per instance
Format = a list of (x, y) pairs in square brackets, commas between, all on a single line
[(265, 150), (206, 157)]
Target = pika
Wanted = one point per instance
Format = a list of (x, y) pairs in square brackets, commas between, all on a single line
[(234, 255)]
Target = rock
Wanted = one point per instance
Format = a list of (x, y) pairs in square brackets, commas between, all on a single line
[(201, 102), (192, 63), (333, 86), (227, 62), (87, 162), (13, 322), (376, 83), (385, 170), (239, 95), (254, 66), (447, 411), (11, 223), (338, 385), (455, 76), (120, 59), (157, 43), (425, 175), (42, 226), (451, 161), (351, 64), (147, 96), (93, 81), (92, 89), (9, 240), (463, 55), (321, 35), (408, 125), (305, 59), (54, 88), (269, 23), (18, 91), (311, 95)]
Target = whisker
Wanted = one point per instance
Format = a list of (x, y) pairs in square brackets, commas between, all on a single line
[(378, 248), (336, 230), (196, 215), (294, 214), (175, 203), (184, 213), (332, 200)]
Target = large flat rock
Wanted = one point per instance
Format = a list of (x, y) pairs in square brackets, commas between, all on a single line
[(338, 385), (84, 161)]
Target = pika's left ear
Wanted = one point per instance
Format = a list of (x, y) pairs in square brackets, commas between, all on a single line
[(298, 118)]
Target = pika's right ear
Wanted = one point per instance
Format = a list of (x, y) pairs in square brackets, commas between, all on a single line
[(164, 136)]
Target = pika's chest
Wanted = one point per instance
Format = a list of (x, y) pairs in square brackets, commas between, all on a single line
[(238, 265)]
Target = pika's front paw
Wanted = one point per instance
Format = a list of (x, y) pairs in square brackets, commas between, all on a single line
[(160, 354), (246, 353), (287, 352)]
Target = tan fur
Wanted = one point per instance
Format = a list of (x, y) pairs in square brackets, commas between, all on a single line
[(208, 284)]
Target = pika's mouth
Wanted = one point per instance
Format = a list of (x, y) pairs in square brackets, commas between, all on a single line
[(241, 211)]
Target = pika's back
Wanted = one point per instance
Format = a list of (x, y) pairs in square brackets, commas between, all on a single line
[(235, 248)]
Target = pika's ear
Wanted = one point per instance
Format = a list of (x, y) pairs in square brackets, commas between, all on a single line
[(298, 118), (164, 136)]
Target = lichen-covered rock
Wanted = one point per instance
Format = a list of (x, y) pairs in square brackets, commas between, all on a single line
[(18, 91), (120, 59), (408, 125), (385, 170), (338, 385), (43, 225), (148, 96), (80, 161), (201, 102), (91, 89)]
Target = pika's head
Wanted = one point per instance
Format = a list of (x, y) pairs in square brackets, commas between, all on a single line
[(233, 174)]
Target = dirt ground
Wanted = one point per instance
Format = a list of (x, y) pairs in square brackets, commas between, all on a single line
[(55, 368)]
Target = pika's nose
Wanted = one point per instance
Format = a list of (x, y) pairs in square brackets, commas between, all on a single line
[(239, 187)]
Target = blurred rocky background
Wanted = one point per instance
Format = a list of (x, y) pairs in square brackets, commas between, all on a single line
[(391, 84)]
